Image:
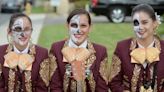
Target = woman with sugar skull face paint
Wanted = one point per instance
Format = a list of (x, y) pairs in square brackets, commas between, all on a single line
[(23, 65), (137, 64), (78, 65)]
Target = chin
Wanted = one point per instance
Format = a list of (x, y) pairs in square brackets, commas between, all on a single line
[(23, 43)]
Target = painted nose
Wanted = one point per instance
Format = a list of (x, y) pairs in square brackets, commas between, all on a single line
[(22, 34), (78, 31)]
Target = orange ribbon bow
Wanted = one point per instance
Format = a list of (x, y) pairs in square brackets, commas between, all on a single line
[(76, 57), (140, 55), (23, 61)]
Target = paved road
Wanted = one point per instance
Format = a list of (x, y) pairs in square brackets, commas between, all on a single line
[(4, 18)]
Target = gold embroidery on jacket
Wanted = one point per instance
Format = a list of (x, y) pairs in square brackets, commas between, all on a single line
[(92, 83), (53, 64), (11, 80), (151, 74), (134, 80), (126, 91), (104, 69), (157, 45), (65, 82), (126, 81), (17, 86), (91, 80), (44, 71), (28, 81), (73, 85), (89, 61), (115, 67), (161, 84)]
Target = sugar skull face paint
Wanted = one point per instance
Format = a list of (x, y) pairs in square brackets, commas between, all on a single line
[(79, 28), (137, 23), (75, 27), (144, 26), (21, 31)]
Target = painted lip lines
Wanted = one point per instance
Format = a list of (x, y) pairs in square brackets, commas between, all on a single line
[(23, 39), (78, 36)]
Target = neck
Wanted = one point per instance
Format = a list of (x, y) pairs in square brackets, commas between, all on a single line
[(145, 42), (21, 48)]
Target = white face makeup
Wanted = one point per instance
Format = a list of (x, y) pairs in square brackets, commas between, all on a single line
[(19, 34), (137, 23), (75, 27)]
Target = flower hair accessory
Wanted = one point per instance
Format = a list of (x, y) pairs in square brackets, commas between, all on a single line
[(157, 18)]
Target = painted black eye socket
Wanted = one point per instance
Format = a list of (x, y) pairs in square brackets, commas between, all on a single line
[(18, 29), (74, 25), (136, 22)]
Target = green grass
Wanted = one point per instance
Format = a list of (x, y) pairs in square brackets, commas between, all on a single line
[(39, 9), (107, 34)]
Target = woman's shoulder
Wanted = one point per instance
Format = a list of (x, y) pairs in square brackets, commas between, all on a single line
[(38, 47), (58, 43), (96, 45), (3, 47), (41, 50), (124, 42), (124, 45)]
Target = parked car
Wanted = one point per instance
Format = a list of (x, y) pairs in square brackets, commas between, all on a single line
[(11, 5), (117, 10)]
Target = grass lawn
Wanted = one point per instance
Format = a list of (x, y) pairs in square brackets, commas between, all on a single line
[(39, 9), (107, 34)]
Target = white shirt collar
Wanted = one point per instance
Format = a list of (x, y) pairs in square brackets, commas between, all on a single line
[(151, 45), (72, 44), (25, 51)]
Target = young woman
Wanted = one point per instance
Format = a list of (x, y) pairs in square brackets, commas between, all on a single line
[(77, 65), (137, 64), (23, 65)]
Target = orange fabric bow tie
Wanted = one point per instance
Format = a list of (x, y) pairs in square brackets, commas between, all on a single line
[(23, 61), (140, 55), (76, 57)]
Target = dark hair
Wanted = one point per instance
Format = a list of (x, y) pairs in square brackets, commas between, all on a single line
[(144, 8), (15, 16), (79, 11)]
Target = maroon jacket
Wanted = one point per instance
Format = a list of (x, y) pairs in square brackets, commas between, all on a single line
[(96, 83), (129, 76), (27, 81)]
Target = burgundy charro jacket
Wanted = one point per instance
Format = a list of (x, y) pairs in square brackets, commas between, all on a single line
[(13, 80), (60, 82), (128, 77)]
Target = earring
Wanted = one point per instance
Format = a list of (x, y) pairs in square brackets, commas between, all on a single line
[(30, 41), (155, 33)]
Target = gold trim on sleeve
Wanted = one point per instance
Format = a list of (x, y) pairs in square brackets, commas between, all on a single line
[(53, 64), (104, 70), (66, 82), (115, 67), (11, 80), (134, 80), (44, 71)]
